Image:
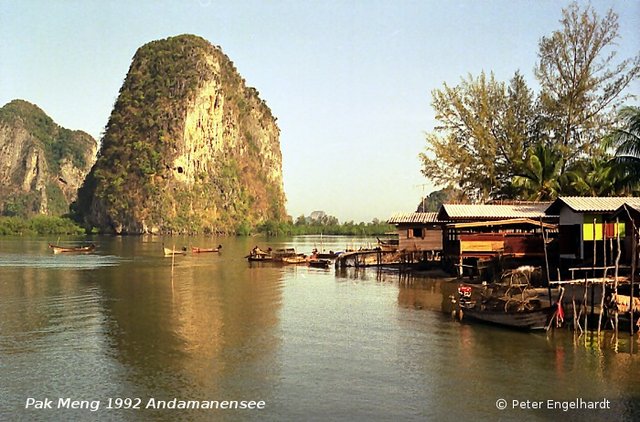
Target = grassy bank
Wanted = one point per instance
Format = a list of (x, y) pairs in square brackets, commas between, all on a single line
[(40, 225)]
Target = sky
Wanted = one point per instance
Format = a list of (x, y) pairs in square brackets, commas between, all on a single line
[(350, 82)]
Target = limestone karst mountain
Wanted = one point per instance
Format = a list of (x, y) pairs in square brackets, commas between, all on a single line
[(189, 148), (42, 165)]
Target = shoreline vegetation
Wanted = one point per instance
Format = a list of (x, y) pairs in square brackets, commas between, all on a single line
[(39, 225), (43, 225)]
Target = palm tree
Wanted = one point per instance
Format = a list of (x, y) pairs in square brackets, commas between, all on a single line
[(540, 176), (595, 176), (626, 141)]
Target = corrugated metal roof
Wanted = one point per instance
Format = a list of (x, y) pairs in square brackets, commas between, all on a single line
[(508, 222), (463, 211), (592, 203), (414, 217)]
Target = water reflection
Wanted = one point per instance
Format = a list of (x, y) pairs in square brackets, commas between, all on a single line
[(348, 344)]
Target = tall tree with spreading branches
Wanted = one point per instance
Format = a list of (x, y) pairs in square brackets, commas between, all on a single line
[(493, 138), (581, 81)]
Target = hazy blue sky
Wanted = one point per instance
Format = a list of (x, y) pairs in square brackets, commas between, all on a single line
[(349, 81)]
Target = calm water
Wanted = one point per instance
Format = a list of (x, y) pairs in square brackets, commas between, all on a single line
[(312, 344)]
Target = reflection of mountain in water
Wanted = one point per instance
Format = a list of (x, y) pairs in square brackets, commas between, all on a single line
[(199, 336)]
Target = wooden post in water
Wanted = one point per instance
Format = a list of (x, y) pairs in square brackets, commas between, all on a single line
[(595, 253), (634, 263), (586, 306), (615, 281), (173, 259), (546, 261), (604, 273)]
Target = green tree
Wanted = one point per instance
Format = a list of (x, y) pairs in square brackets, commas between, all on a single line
[(625, 139), (482, 135), (595, 176), (580, 81), (539, 177)]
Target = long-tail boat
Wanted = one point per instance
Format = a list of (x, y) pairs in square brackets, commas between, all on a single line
[(205, 250), (171, 252), (79, 249), (297, 259)]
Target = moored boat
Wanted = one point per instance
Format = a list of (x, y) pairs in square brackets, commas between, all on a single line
[(511, 303), (297, 259), (388, 245), (195, 249), (172, 252), (80, 249), (536, 319), (260, 258), (320, 263)]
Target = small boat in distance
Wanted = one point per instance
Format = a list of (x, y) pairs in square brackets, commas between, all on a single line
[(298, 259), (320, 263), (205, 250), (278, 255), (172, 252), (79, 249)]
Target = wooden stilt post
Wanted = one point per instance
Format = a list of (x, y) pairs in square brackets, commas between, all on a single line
[(634, 263), (584, 300), (546, 260), (615, 280), (595, 254)]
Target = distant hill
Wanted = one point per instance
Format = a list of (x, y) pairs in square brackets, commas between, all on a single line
[(189, 148), (42, 165)]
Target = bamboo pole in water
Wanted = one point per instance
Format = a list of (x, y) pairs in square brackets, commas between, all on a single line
[(634, 262), (546, 261), (604, 273), (584, 300), (615, 280), (595, 254)]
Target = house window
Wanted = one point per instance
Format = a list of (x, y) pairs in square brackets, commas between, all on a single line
[(416, 232)]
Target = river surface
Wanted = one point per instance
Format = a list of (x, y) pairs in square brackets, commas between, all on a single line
[(312, 344)]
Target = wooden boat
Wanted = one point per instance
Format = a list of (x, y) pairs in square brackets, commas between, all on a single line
[(513, 302), (328, 255), (280, 254), (298, 259), (259, 258), (388, 245), (80, 249), (205, 250), (319, 263), (172, 252), (536, 319)]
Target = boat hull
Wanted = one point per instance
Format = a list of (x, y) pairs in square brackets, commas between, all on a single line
[(259, 258), (525, 320), (320, 263), (171, 252), (294, 260), (204, 250), (83, 249)]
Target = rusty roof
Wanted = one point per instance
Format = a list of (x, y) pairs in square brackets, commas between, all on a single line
[(470, 211), (592, 203), (414, 217), (508, 222)]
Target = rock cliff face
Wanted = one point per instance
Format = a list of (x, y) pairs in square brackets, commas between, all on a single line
[(189, 148), (42, 165)]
